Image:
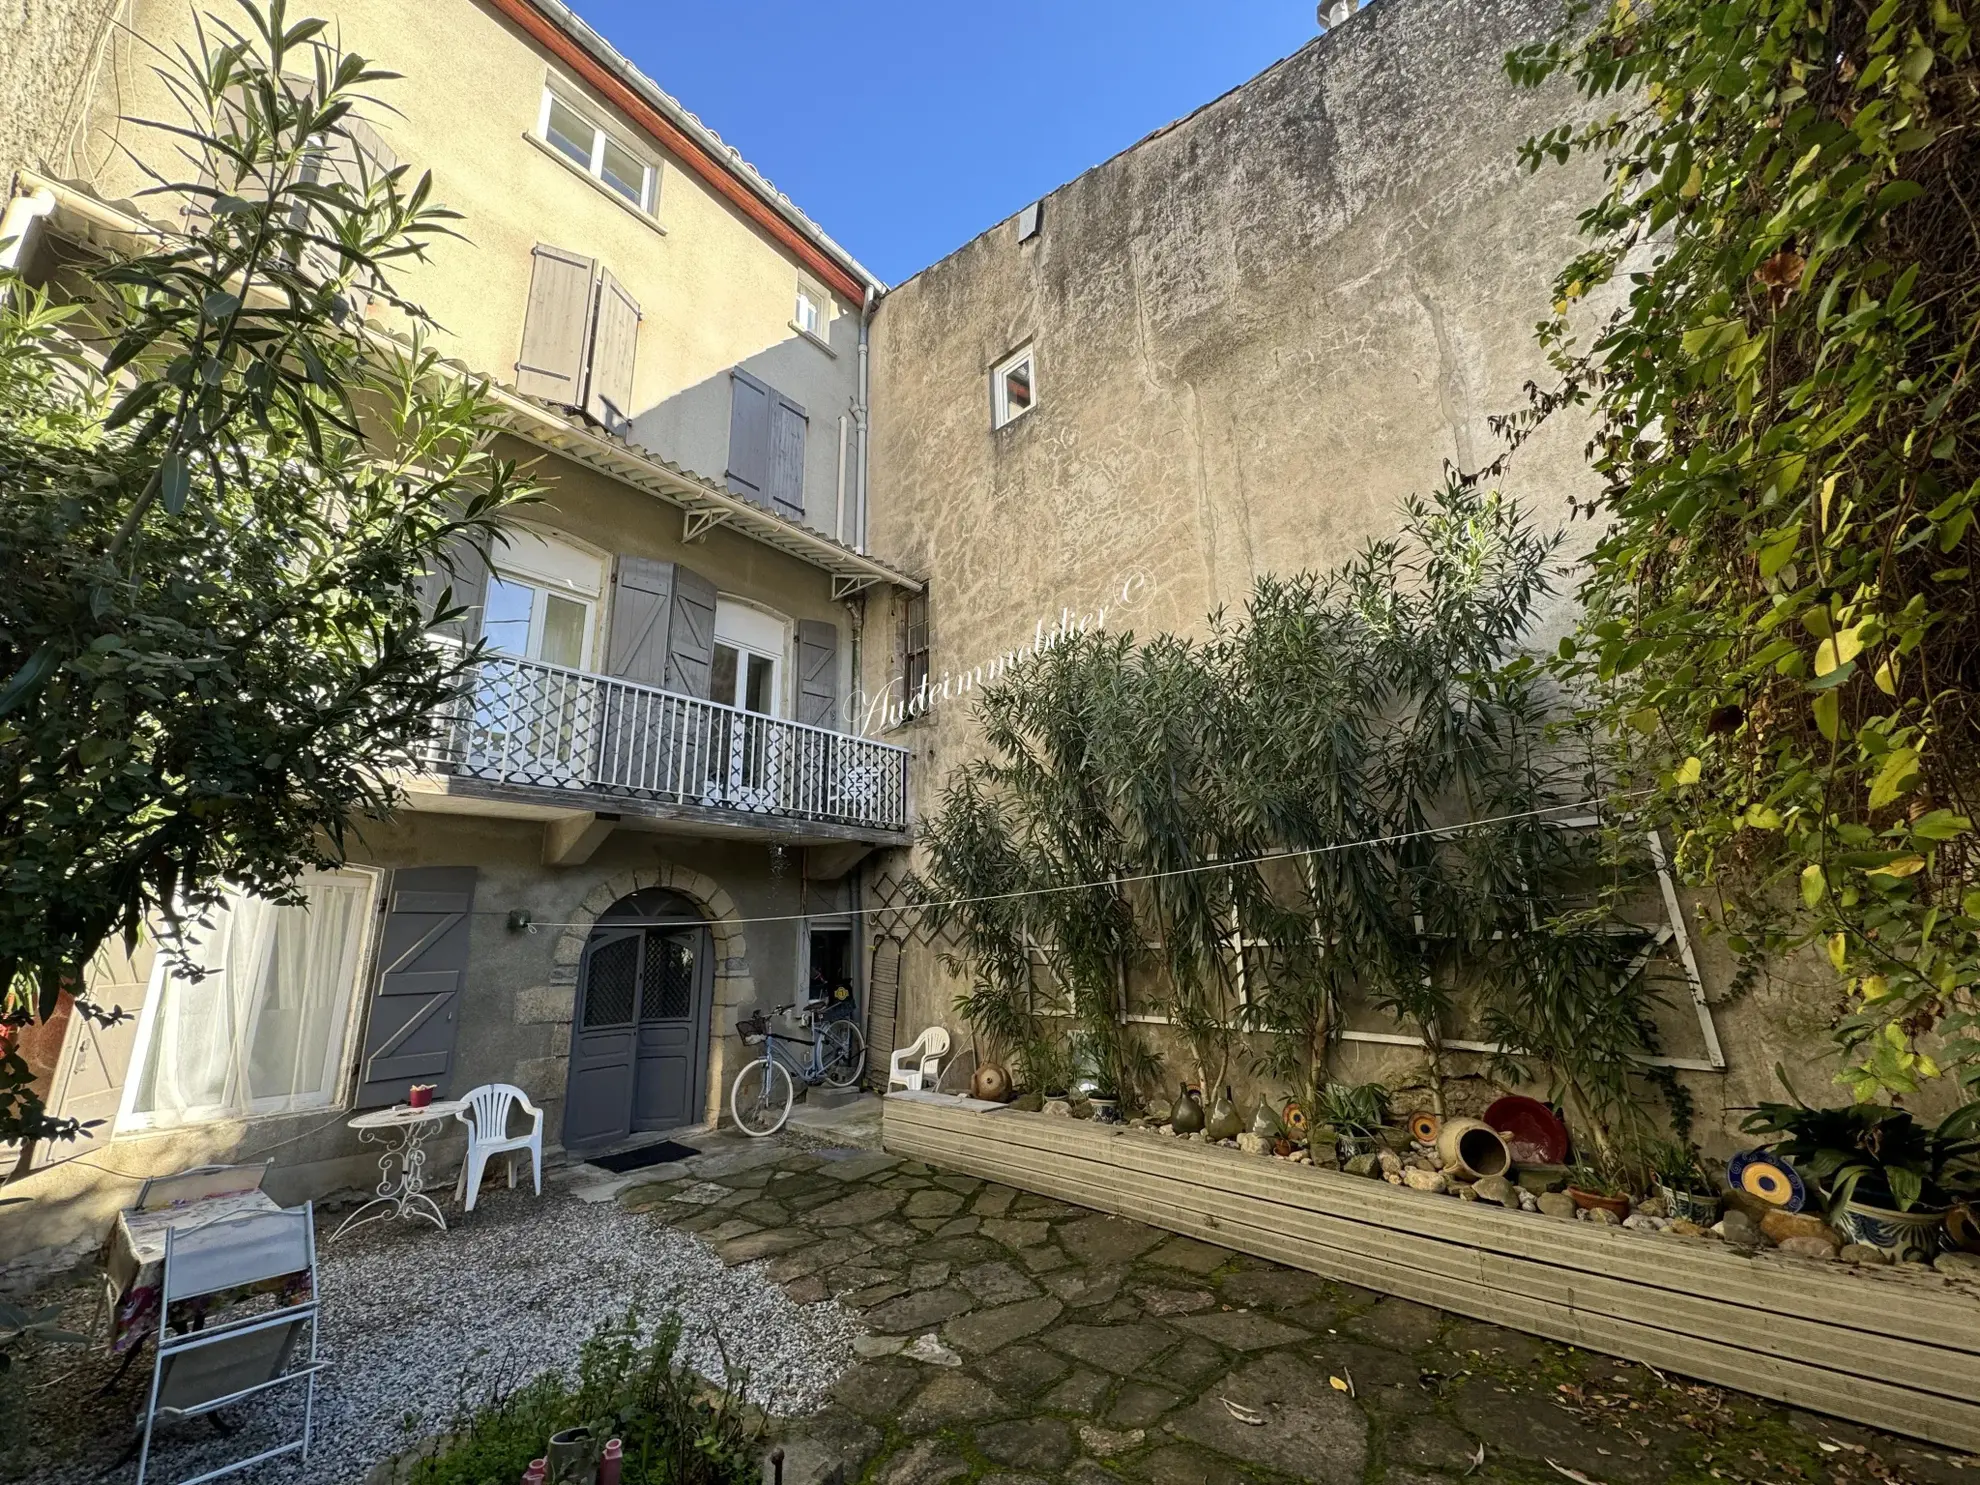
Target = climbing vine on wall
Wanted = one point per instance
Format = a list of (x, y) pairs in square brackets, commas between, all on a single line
[(1781, 615)]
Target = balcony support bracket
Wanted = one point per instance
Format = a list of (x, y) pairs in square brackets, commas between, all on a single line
[(847, 587), (572, 840), (696, 524)]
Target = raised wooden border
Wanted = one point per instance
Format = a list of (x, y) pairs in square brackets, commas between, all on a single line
[(1896, 1350)]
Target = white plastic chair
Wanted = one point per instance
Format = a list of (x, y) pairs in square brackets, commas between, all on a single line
[(928, 1050), (487, 1120)]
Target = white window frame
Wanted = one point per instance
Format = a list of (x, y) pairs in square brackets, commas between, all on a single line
[(649, 188), (1001, 412), (751, 629), (540, 595), (808, 298), (343, 1086)]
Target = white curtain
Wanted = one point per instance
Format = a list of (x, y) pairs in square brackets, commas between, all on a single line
[(265, 1028)]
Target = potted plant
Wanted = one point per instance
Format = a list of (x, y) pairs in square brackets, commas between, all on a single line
[(1355, 1112), (1679, 1176), (1888, 1179), (1597, 1190)]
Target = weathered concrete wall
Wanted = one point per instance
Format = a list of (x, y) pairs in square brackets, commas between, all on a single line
[(714, 290), (1257, 331), (47, 50)]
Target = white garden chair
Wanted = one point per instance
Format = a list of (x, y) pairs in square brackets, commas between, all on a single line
[(486, 1115), (229, 1362), (927, 1052)]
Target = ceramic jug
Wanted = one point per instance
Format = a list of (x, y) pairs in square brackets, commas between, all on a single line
[(1187, 1116), (1224, 1121)]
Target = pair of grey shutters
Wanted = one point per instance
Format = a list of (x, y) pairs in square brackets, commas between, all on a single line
[(422, 984), (663, 634), (766, 446), (580, 332)]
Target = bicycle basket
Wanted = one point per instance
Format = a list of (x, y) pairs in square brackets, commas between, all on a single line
[(752, 1029)]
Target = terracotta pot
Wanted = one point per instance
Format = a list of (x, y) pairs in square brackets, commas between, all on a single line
[(990, 1083), (1472, 1149), (1594, 1201), (1187, 1115)]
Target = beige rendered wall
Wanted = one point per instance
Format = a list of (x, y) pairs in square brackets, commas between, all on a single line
[(1257, 331), (47, 51), (714, 290)]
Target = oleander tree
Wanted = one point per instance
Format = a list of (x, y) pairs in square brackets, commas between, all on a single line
[(220, 498), (1781, 611)]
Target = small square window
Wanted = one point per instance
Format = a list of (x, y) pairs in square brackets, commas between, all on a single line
[(571, 135), (1014, 387), (810, 310)]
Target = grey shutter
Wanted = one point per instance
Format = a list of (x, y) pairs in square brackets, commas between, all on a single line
[(642, 608), (422, 977), (691, 634), (787, 424), (614, 335), (818, 673), (749, 436), (555, 327), (465, 571), (96, 1060)]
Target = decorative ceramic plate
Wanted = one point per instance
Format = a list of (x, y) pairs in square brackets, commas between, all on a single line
[(1423, 1128), (1764, 1174)]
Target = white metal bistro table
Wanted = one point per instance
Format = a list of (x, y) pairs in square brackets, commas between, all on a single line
[(402, 1194)]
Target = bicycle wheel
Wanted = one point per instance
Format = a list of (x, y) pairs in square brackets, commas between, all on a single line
[(760, 1099), (843, 1052)]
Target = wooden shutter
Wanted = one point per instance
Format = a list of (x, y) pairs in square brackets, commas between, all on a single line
[(422, 977), (642, 606), (818, 673), (787, 425), (96, 1060), (691, 634), (465, 572), (749, 436), (883, 998), (614, 335), (555, 327)]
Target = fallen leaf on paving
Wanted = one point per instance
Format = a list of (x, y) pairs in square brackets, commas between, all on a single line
[(1575, 1475), (1476, 1460), (1242, 1413)]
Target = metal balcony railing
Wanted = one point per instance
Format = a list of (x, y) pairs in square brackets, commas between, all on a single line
[(523, 722)]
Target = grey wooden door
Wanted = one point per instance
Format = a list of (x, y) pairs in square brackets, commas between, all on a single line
[(639, 1047)]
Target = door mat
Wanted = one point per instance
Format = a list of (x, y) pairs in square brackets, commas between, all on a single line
[(641, 1158)]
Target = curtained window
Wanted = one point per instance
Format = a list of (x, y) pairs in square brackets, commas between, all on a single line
[(266, 1027)]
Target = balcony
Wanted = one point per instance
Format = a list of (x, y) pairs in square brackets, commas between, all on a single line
[(541, 734)]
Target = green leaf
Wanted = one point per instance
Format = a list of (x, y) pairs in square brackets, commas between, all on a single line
[(1827, 709), (1689, 772), (1895, 778), (1941, 825), (174, 480), (1813, 885)]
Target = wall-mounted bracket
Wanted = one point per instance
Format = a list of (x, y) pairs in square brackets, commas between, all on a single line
[(696, 524), (845, 587)]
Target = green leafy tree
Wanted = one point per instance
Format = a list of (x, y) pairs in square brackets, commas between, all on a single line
[(1781, 614), (219, 496)]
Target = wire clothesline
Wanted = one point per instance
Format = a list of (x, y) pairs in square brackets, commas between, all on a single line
[(1332, 848)]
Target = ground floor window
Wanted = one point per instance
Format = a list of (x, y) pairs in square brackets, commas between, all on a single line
[(265, 1026)]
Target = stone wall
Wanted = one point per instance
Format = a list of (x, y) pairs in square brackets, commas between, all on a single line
[(47, 51), (1257, 331)]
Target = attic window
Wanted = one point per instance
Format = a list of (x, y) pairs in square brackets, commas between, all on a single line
[(607, 160), (1014, 387)]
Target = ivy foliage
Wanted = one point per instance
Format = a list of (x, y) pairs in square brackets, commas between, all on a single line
[(220, 500), (1782, 613)]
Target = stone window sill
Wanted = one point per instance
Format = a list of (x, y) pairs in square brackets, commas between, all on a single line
[(817, 340), (596, 184)]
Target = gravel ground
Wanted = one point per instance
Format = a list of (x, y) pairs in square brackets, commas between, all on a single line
[(417, 1323)]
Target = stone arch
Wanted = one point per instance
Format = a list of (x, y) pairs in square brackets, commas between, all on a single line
[(734, 988)]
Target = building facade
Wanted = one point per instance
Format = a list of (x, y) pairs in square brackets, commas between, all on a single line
[(643, 819)]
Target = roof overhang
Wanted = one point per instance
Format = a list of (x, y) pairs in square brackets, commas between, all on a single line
[(77, 215)]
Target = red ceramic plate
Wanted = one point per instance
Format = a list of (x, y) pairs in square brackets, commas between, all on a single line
[(1534, 1134)]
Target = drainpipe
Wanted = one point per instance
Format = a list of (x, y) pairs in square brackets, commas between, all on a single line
[(862, 418)]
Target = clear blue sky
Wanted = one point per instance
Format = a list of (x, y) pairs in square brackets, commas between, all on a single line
[(906, 127)]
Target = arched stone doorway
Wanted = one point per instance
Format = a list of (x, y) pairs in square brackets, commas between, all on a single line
[(641, 1023)]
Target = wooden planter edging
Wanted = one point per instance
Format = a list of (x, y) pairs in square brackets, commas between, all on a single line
[(1894, 1349)]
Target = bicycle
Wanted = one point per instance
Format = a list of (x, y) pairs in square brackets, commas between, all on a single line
[(760, 1098)]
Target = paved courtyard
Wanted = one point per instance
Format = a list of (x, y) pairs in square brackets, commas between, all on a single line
[(1016, 1340)]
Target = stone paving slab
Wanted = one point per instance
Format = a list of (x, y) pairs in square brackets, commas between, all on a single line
[(1018, 1340)]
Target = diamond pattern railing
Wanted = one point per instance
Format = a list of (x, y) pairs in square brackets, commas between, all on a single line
[(523, 722)]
